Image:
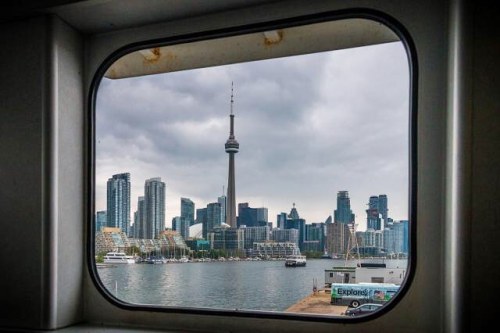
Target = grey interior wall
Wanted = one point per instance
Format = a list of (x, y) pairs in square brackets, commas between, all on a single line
[(484, 271), (41, 163), (21, 159)]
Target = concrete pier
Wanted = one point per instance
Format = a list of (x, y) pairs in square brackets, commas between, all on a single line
[(317, 303)]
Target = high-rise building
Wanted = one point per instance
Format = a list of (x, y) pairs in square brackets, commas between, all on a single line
[(383, 208), (229, 239), (338, 238), (154, 205), (212, 218), (247, 216), (373, 202), (222, 200), (396, 238), (100, 220), (316, 232), (373, 214), (251, 217), (262, 216), (232, 146), (294, 214), (139, 219), (255, 234), (181, 225), (118, 202), (343, 213), (373, 238), (285, 235), (281, 220), (201, 215), (373, 220), (295, 222), (187, 211), (377, 212)]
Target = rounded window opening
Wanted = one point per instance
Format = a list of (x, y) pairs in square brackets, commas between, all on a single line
[(266, 171)]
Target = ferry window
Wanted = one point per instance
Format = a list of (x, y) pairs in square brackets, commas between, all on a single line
[(258, 171)]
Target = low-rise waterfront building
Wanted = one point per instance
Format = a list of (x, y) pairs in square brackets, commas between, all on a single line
[(111, 239), (274, 249), (365, 273)]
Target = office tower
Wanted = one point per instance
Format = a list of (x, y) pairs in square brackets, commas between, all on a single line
[(212, 219), (241, 206), (294, 214), (201, 215), (295, 222), (232, 146), (255, 234), (373, 202), (343, 213), (315, 237), (181, 225), (187, 210), (154, 205), (222, 201), (281, 220), (373, 214), (140, 219), (383, 208), (251, 217), (285, 235), (100, 220), (373, 238), (231, 240), (262, 216), (118, 202), (247, 216), (396, 238)]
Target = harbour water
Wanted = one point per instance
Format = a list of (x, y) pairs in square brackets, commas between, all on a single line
[(250, 285)]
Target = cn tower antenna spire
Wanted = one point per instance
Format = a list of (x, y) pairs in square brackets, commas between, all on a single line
[(232, 100)]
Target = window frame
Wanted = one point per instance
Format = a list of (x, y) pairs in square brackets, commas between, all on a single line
[(355, 13)]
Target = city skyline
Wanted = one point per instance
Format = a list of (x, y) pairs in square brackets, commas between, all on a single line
[(342, 207), (310, 129)]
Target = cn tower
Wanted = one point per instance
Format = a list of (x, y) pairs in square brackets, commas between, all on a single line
[(232, 147)]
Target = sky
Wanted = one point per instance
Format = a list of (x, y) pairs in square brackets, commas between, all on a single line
[(308, 127)]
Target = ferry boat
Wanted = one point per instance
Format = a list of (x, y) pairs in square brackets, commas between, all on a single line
[(295, 260), (118, 258)]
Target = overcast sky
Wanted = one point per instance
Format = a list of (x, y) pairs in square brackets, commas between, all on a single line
[(308, 127)]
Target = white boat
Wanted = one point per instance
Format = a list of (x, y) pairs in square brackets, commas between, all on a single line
[(184, 259), (118, 258), (295, 260)]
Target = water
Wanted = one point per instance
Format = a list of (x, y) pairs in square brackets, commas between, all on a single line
[(251, 285)]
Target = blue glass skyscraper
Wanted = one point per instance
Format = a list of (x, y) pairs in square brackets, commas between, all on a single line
[(118, 202), (343, 213), (154, 205)]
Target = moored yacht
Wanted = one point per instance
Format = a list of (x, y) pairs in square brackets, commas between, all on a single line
[(118, 258)]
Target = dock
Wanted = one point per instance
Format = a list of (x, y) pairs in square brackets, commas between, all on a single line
[(317, 303)]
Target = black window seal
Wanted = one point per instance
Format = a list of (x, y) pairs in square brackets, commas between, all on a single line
[(353, 13)]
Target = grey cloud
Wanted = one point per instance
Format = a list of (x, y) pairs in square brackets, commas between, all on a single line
[(307, 126)]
